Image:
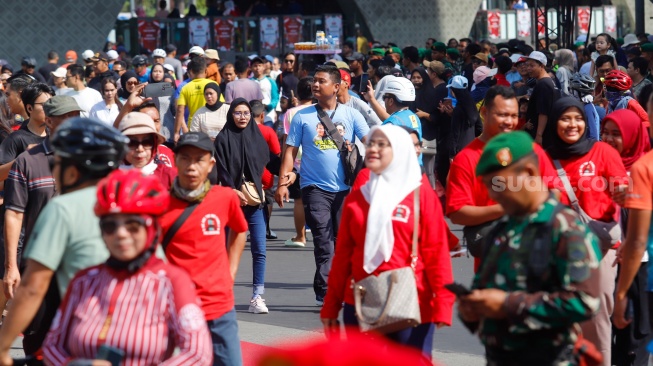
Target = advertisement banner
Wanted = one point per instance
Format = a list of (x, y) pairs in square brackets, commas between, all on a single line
[(269, 33), (524, 23), (583, 19), (333, 25), (148, 34), (292, 30), (541, 23), (610, 19), (199, 33), (494, 24), (224, 34)]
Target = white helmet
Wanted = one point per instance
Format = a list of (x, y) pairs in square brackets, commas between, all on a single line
[(87, 55), (159, 53), (197, 50), (401, 88)]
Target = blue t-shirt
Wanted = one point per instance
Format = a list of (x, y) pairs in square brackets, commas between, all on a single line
[(406, 118), (321, 164)]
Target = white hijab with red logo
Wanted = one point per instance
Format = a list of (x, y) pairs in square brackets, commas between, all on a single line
[(385, 191)]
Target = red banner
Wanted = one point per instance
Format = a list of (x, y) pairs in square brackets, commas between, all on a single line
[(224, 34), (292, 29), (148, 34), (541, 23), (524, 23), (583, 20), (610, 19), (494, 24)]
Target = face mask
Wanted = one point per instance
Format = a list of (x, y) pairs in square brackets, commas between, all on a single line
[(611, 96)]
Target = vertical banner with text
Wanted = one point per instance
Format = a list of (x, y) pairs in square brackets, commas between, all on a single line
[(583, 19), (148, 34), (494, 24), (224, 33), (524, 23), (269, 33), (199, 32), (292, 30), (333, 25), (610, 19)]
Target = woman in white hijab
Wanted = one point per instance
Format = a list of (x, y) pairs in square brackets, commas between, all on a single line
[(376, 235)]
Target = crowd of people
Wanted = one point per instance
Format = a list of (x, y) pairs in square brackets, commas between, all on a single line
[(114, 198)]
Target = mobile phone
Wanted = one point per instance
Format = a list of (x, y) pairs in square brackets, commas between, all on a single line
[(111, 354), (158, 90), (458, 289), (447, 101)]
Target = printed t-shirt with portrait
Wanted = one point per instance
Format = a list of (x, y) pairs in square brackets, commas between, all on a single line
[(199, 246), (321, 165), (641, 198)]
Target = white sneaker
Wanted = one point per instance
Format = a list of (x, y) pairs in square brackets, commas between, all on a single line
[(319, 302), (294, 244), (257, 306)]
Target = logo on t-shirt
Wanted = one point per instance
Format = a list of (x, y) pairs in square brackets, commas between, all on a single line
[(414, 122), (401, 213), (587, 169), (210, 224)]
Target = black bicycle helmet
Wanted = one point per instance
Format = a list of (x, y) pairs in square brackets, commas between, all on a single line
[(582, 83), (90, 145), (139, 60)]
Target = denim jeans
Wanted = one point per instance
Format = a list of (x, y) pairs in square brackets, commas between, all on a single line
[(256, 222), (420, 337), (226, 343), (322, 210)]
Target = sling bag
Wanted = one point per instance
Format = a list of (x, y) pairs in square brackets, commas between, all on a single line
[(350, 157)]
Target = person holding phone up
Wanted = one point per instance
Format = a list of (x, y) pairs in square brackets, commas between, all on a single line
[(533, 285)]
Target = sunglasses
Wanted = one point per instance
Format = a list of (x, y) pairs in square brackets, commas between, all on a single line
[(133, 224), (147, 143), (132, 83), (289, 61)]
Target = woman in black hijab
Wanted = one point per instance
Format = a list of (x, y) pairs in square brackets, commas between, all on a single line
[(158, 74), (242, 155), (425, 106), (128, 82), (465, 121), (598, 179)]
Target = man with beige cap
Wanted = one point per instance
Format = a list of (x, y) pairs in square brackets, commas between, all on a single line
[(143, 147), (212, 70)]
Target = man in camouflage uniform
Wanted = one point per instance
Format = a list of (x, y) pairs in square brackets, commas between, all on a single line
[(533, 284)]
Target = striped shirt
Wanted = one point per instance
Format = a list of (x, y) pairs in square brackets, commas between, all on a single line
[(147, 315)]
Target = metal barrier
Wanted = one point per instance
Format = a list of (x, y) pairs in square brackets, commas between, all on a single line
[(231, 36)]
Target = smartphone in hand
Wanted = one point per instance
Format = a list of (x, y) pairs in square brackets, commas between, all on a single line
[(458, 289)]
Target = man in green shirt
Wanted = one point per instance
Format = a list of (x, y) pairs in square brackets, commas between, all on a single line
[(66, 237), (532, 286)]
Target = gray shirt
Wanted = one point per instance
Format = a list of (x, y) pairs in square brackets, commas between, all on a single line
[(242, 88), (176, 64), (370, 117)]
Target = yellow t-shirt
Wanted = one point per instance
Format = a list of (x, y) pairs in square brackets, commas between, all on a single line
[(192, 96)]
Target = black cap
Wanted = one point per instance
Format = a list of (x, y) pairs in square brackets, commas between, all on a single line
[(28, 61), (100, 56), (199, 140), (356, 56), (139, 60), (257, 60), (170, 48)]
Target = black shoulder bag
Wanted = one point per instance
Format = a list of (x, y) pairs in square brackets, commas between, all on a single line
[(350, 157), (177, 224)]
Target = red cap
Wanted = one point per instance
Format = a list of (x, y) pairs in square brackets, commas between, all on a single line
[(345, 76), (71, 56), (521, 59)]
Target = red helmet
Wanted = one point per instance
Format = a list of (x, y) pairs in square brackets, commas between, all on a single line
[(130, 192), (618, 79)]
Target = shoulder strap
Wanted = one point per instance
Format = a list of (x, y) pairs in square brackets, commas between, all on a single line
[(177, 224), (416, 218), (330, 127), (568, 188)]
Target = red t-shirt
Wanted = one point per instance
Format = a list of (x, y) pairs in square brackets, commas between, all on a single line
[(433, 268), (273, 144), (465, 189), (592, 174), (200, 248), (166, 156)]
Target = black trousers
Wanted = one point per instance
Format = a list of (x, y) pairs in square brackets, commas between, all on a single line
[(322, 210)]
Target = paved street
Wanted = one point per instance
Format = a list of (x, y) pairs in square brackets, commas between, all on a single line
[(293, 314)]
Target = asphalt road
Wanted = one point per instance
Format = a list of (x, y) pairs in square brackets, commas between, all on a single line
[(291, 301)]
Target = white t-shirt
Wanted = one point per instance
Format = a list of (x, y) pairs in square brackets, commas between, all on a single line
[(86, 98), (104, 114)]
